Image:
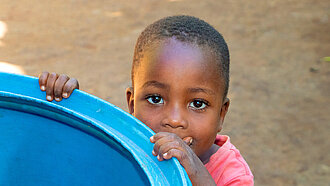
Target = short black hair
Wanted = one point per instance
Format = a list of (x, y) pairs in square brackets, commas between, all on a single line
[(186, 29)]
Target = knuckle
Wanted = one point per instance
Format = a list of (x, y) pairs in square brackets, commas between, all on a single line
[(53, 75), (162, 134), (63, 77), (66, 88), (43, 74), (171, 136), (73, 83)]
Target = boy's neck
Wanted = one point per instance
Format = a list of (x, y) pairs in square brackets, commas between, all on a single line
[(205, 158)]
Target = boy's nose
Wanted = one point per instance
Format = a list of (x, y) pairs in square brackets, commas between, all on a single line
[(175, 118)]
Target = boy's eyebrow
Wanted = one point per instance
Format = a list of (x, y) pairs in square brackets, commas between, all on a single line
[(165, 86), (197, 89), (155, 84)]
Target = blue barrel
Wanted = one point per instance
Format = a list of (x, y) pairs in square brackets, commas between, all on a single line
[(82, 140)]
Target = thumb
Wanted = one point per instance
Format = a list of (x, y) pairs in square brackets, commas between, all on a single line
[(188, 140)]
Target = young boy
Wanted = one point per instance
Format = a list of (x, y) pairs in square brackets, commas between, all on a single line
[(180, 77)]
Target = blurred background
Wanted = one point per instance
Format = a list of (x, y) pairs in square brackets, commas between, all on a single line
[(279, 115)]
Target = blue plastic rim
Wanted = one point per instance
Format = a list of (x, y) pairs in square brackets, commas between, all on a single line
[(82, 140)]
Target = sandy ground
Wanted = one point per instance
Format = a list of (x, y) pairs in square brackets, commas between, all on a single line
[(280, 86)]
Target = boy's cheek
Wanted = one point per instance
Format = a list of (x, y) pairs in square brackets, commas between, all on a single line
[(150, 121)]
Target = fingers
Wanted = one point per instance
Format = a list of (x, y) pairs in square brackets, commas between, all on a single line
[(164, 143), (43, 80), (69, 86), (58, 88), (164, 150), (188, 139), (160, 135), (179, 154), (50, 86)]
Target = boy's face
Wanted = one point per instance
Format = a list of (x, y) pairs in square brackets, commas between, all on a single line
[(178, 89)]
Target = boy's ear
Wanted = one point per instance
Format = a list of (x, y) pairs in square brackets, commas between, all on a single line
[(130, 100), (223, 112)]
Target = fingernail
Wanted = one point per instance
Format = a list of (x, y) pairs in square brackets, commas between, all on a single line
[(153, 152), (190, 142), (43, 87), (165, 154), (152, 138), (158, 157), (49, 98), (65, 95), (57, 99)]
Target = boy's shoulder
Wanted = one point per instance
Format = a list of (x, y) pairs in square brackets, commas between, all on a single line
[(227, 166)]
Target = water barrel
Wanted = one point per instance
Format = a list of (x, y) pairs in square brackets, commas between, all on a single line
[(82, 140)]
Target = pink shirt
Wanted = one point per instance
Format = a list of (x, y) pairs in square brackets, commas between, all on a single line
[(227, 166)]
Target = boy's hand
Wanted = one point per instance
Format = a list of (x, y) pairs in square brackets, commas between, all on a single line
[(168, 145), (57, 86)]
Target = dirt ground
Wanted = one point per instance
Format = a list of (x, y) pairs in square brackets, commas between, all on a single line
[(280, 86)]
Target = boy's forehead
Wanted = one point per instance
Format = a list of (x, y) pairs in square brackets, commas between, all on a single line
[(172, 59), (172, 52)]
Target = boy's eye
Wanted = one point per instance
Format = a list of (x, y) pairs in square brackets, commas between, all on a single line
[(198, 104), (155, 99)]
